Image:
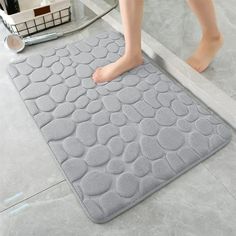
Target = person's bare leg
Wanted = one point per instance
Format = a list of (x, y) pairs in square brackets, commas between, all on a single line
[(212, 39), (131, 13)]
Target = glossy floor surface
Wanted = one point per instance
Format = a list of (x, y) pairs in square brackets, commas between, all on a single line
[(36, 200)]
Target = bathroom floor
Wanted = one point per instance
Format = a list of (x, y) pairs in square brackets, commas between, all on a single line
[(175, 26), (36, 200)]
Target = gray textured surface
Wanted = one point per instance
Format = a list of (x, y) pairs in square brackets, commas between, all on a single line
[(117, 142)]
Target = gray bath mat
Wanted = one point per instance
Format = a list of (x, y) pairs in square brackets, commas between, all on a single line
[(118, 142)]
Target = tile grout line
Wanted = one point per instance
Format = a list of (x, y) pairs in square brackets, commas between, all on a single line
[(224, 186), (35, 194)]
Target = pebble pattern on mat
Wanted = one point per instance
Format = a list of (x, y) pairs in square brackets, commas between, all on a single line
[(116, 142)]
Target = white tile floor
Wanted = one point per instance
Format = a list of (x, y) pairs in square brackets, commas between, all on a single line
[(36, 200)]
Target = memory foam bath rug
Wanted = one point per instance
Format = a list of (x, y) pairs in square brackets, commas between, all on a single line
[(116, 142)]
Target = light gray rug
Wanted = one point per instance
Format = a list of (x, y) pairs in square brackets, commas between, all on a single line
[(118, 142)]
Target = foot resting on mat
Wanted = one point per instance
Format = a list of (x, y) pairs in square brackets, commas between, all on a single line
[(113, 70), (205, 53)]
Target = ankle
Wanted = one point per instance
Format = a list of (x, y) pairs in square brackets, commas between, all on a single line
[(136, 58), (217, 37)]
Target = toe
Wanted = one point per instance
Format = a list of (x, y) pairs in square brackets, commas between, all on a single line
[(194, 64), (96, 76), (201, 68), (196, 67)]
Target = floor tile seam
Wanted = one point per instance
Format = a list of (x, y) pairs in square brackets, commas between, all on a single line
[(33, 195)]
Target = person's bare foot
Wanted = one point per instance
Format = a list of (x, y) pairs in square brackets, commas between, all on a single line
[(113, 70), (205, 53)]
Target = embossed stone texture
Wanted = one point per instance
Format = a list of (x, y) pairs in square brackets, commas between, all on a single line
[(73, 147), (116, 142), (94, 152)]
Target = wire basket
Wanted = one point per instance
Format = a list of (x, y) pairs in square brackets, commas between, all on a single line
[(38, 19)]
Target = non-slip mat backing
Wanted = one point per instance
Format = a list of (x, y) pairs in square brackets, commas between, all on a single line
[(116, 142)]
